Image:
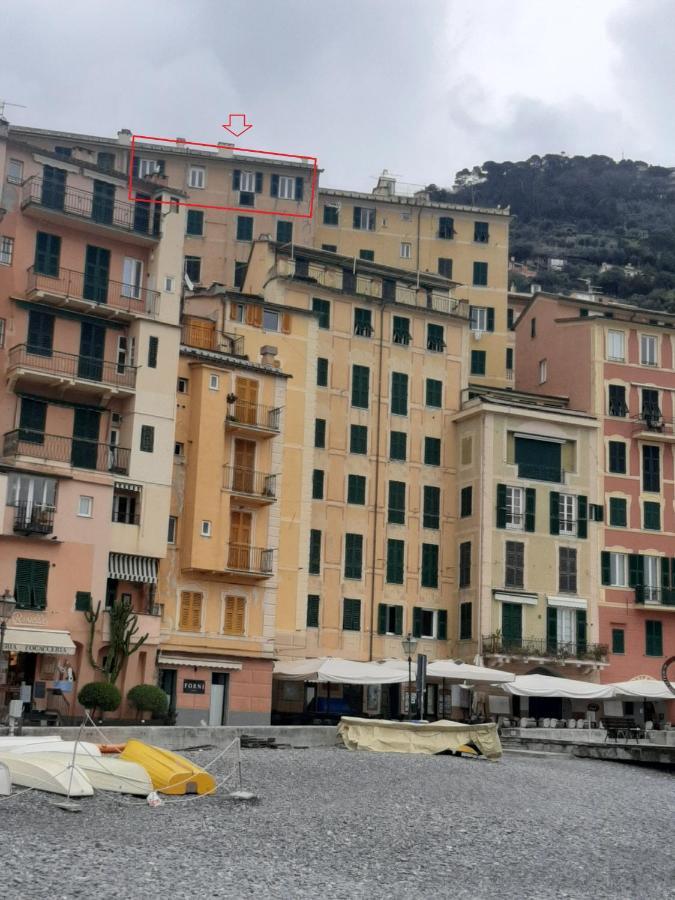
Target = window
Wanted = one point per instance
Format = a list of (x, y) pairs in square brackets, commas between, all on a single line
[(153, 347), (653, 638), (618, 512), (435, 336), (363, 326), (465, 617), (401, 330), (430, 565), (322, 309), (368, 255), (514, 507), (190, 615), (132, 277), (353, 556), (205, 529), (322, 372), (466, 502), (364, 219), (481, 318), (331, 215), (82, 601), (431, 505), (3, 326), (6, 250), (358, 438), (481, 232), (618, 640), (360, 386), (47, 254), (389, 619), (214, 382), (649, 408), (431, 624), (432, 451), (617, 400), (615, 569), (399, 394), (147, 438), (445, 267), (193, 268), (434, 393), (648, 350), (314, 552), (331, 248), (395, 555), (351, 614), (512, 624), (32, 421), (398, 445), (244, 228), (239, 274), (182, 386), (356, 489), (320, 433), (234, 615), (478, 362), (617, 457), (543, 371), (567, 514), (652, 516), (124, 509), (194, 224), (30, 585), (149, 166), (270, 320), (533, 328), (406, 250), (465, 564), (616, 345), (197, 177), (446, 228), (514, 564), (284, 232), (510, 318), (63, 152), (313, 601), (289, 188), (466, 453), (480, 274), (15, 171), (509, 361), (85, 507), (538, 459), (567, 570), (651, 469), (396, 505), (317, 484), (171, 530), (40, 336)]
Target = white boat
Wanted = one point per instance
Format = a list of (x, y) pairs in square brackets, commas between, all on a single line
[(55, 776), (10, 743), (5, 781), (61, 747), (107, 773)]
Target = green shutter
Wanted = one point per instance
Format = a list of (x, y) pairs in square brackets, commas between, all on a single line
[(360, 386), (82, 601), (396, 506), (398, 620), (395, 553), (353, 555), (606, 576), (442, 633), (258, 182), (274, 186), (501, 506), (635, 570), (430, 565), (654, 638), (22, 583), (530, 505), (582, 516), (581, 630), (551, 628), (417, 621), (312, 610), (555, 512), (399, 394), (665, 572), (314, 552), (356, 221), (381, 618), (490, 319)]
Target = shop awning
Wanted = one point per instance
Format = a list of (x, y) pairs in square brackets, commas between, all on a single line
[(127, 486), (460, 671), (642, 688), (125, 567), (340, 671), (550, 686), (199, 661), (39, 640)]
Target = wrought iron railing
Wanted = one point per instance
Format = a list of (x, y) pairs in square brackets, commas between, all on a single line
[(497, 645), (115, 294), (653, 596), (194, 336), (363, 329), (255, 560), (126, 518), (72, 365), (247, 481), (79, 452), (241, 412), (33, 518), (537, 472)]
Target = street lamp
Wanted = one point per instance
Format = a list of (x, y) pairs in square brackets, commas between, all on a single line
[(409, 644), (7, 606)]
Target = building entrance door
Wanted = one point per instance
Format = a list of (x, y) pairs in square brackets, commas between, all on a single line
[(218, 704)]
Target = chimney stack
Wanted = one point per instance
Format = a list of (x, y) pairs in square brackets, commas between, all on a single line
[(268, 356)]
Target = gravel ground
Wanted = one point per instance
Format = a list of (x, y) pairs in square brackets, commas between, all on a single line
[(335, 824)]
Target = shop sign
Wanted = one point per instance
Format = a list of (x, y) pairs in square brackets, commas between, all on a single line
[(190, 686)]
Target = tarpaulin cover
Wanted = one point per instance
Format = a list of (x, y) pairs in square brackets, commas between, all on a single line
[(384, 736), (644, 688), (340, 671), (549, 686)]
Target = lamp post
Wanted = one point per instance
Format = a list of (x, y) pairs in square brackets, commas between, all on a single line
[(409, 644), (7, 606)]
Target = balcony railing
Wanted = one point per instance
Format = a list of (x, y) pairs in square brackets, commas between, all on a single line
[(126, 518), (254, 415), (131, 217), (193, 336), (115, 294), (646, 595), (496, 645), (536, 472), (72, 365), (78, 452), (32, 518), (254, 560), (247, 481)]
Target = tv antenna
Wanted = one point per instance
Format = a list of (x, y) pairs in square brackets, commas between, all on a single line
[(4, 103)]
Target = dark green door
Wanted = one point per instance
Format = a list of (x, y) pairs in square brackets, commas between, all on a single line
[(92, 344), (85, 438), (32, 421), (96, 269), (40, 333), (142, 213), (53, 187), (512, 624), (103, 203)]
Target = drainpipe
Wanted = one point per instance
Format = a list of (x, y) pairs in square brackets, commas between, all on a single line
[(377, 482), (419, 216), (481, 525)]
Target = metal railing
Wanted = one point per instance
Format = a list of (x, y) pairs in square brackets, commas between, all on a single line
[(33, 518), (645, 594), (131, 217), (497, 645), (125, 518), (72, 365), (363, 329), (248, 481), (243, 558), (115, 294), (79, 452), (241, 412), (220, 341), (536, 472)]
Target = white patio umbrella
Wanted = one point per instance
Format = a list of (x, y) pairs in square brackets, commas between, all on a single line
[(339, 671), (642, 688), (465, 672), (549, 686)]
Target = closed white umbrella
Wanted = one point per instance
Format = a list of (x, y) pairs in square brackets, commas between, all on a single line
[(549, 686), (339, 671), (642, 688), (465, 672)]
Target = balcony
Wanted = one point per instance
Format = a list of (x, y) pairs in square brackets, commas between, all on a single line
[(85, 210), (573, 652), (255, 486), (536, 472), (112, 300), (207, 339), (251, 418), (646, 595), (30, 366), (79, 453), (652, 426), (32, 518), (251, 561)]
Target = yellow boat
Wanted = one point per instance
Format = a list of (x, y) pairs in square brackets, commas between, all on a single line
[(169, 772)]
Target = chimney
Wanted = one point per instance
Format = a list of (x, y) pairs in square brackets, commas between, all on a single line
[(268, 356), (225, 149), (124, 137), (386, 185)]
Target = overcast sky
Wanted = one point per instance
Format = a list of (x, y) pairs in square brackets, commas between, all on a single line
[(421, 87)]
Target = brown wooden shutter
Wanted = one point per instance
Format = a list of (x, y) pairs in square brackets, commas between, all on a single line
[(196, 612), (258, 316), (233, 311), (184, 617), (190, 618), (286, 323), (235, 609)]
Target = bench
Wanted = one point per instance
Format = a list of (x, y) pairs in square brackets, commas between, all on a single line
[(620, 727)]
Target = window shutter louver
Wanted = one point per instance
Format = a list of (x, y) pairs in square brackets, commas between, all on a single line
[(530, 506), (605, 570), (581, 630), (240, 608), (236, 180), (274, 186), (357, 217), (551, 628), (442, 633), (398, 620), (382, 618), (582, 516), (635, 570), (258, 182), (417, 621), (501, 506), (22, 583), (286, 323), (665, 572), (196, 612), (299, 188), (184, 617), (490, 319), (555, 512)]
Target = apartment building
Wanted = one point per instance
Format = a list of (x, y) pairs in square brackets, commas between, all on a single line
[(89, 313), (617, 363)]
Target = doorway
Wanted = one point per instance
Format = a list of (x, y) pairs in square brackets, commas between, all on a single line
[(218, 702), (244, 466), (241, 525), (92, 344), (86, 424), (167, 682)]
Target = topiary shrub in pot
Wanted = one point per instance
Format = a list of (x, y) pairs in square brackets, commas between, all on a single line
[(101, 696), (148, 698)]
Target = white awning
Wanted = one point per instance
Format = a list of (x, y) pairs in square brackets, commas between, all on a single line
[(550, 686), (642, 688), (127, 486), (199, 662), (39, 640), (567, 602), (340, 671), (528, 599), (459, 671), (124, 567)]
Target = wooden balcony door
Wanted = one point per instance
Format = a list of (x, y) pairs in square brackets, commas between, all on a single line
[(245, 409), (241, 529), (244, 466), (201, 333)]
